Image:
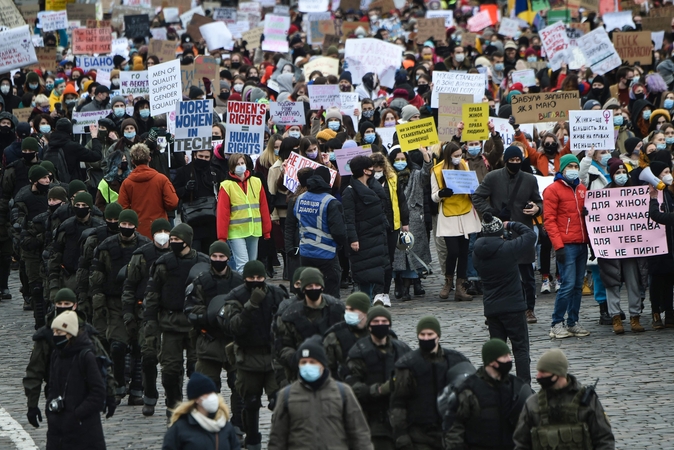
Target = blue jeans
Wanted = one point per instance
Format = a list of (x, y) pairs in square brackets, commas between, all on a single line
[(569, 295), (471, 273), (599, 288), (367, 288), (243, 250)]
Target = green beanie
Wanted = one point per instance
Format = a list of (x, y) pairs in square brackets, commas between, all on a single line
[(129, 215), (220, 247), (160, 225), (566, 160), (297, 274), (311, 275), (30, 144), (84, 197), (378, 311), (112, 210), (65, 295), (554, 361), (49, 166), (76, 186), (253, 268), (58, 193), (183, 232), (32, 77), (493, 349), (36, 172), (428, 323), (359, 301)]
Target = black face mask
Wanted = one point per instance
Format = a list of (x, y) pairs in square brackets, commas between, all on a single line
[(504, 368), (534, 89), (313, 294), (28, 156), (81, 212), (422, 89), (223, 96), (513, 167), (42, 188), (5, 129), (177, 247), (126, 232), (201, 163), (344, 88), (235, 65), (380, 331), (60, 310), (597, 92), (426, 345), (218, 266), (546, 382), (251, 285), (124, 165), (53, 208), (639, 96), (113, 226), (60, 342), (550, 149)]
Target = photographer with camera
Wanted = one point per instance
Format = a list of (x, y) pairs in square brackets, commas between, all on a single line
[(76, 393)]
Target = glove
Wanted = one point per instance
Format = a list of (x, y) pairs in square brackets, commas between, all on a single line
[(34, 415), (504, 214), (561, 255), (131, 326), (191, 185), (207, 85), (585, 212), (404, 442), (257, 296), (110, 406), (513, 122), (446, 192)]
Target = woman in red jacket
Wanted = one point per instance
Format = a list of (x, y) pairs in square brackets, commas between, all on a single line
[(563, 206)]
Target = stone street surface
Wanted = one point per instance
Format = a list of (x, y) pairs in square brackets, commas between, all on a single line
[(635, 371)]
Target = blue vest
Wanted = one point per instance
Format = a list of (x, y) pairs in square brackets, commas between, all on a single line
[(311, 211)]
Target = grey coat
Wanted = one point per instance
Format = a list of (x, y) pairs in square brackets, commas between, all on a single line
[(493, 195)]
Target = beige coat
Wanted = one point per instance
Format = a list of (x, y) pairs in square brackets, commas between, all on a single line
[(456, 225)]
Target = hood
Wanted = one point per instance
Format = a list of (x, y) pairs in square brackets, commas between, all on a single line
[(59, 139), (487, 247), (639, 105), (79, 343), (317, 185), (142, 174), (285, 82)]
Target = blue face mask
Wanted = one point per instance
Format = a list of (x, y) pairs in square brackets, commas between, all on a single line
[(49, 86), (126, 68), (144, 113), (621, 179), (334, 125), (646, 115), (240, 170), (369, 138), (532, 59), (661, 146), (571, 174), (474, 151), (604, 159), (276, 152), (294, 134), (119, 112), (351, 318), (499, 67), (669, 140), (310, 372), (33, 86), (130, 135), (400, 165), (617, 121), (332, 156), (44, 129), (668, 104), (218, 61)]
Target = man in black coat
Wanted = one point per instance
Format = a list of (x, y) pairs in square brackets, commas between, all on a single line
[(74, 153), (495, 259)]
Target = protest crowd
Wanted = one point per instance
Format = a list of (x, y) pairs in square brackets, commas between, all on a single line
[(198, 192)]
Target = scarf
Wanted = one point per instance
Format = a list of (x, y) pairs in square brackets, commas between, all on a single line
[(210, 425)]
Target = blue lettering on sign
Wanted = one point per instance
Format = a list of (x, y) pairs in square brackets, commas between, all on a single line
[(96, 62), (244, 142)]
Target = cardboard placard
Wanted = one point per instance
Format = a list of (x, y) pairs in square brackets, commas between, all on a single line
[(28, 12), (420, 133), (46, 57), (349, 28), (93, 23), (475, 117), (81, 11), (194, 74), (197, 21), (328, 41), (658, 19), (136, 26), (450, 111), (448, 15), (252, 37), (634, 47), (431, 28), (89, 41), (591, 129), (22, 114), (319, 29), (469, 39), (164, 50), (544, 106)]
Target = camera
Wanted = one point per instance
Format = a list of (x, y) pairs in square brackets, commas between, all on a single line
[(56, 405)]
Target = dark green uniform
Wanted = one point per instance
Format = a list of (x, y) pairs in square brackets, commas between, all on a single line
[(339, 339)]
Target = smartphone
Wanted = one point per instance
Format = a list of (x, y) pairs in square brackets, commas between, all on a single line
[(58, 107)]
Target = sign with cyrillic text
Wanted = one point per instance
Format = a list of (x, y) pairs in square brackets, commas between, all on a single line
[(287, 113), (461, 181), (420, 133), (293, 164), (591, 129), (457, 83), (545, 106)]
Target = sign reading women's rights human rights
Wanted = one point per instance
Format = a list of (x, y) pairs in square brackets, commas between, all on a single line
[(194, 125), (619, 226), (245, 127)]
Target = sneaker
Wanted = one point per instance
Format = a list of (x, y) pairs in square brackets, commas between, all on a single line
[(558, 331), (558, 284), (545, 287), (379, 300), (386, 300), (578, 330)]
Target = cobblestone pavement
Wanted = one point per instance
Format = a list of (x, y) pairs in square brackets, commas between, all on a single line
[(635, 371)]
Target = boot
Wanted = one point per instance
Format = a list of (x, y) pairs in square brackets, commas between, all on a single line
[(617, 325), (444, 292), (461, 294), (669, 319), (472, 288), (587, 290), (148, 410), (604, 317), (635, 325), (657, 322), (418, 288), (406, 290), (398, 289)]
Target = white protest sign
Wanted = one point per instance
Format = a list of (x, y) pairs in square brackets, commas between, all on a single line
[(386, 135), (217, 36), (165, 86), (85, 119), (372, 55), (324, 64), (171, 15), (309, 6), (194, 119), (457, 83), (448, 15), (345, 155), (287, 113), (461, 181), (509, 27), (293, 164), (657, 37), (282, 10), (186, 17), (103, 77), (591, 128), (324, 96), (555, 41), (96, 62), (507, 132), (158, 33), (18, 50), (246, 139), (276, 33), (246, 113), (349, 102), (599, 51), (53, 20), (237, 29), (134, 83), (527, 77), (120, 47), (617, 20)]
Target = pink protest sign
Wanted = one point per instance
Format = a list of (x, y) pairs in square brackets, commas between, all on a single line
[(293, 164), (618, 224)]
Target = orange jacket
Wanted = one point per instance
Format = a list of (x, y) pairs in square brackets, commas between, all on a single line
[(539, 159)]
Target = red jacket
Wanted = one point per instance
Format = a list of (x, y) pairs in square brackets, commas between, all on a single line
[(224, 205), (150, 194), (563, 213), (540, 160)]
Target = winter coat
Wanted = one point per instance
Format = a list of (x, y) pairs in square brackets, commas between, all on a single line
[(150, 194), (78, 426), (366, 224), (663, 264), (74, 153), (207, 182), (563, 205), (487, 160), (225, 204), (495, 260), (94, 105), (187, 434), (591, 174)]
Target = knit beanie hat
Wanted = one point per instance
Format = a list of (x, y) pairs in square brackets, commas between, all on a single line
[(346, 76), (58, 82), (84, 197), (66, 321), (566, 160), (36, 172), (631, 144), (58, 193), (49, 166), (428, 323), (554, 361), (160, 225), (32, 77), (117, 99), (195, 92), (333, 113), (112, 210), (312, 348), (199, 385), (311, 275), (359, 301), (512, 152), (65, 295), (31, 144), (332, 51), (590, 104), (493, 349), (491, 226), (326, 134), (408, 112), (127, 122), (183, 232), (359, 164), (657, 167), (220, 247), (129, 215), (323, 172), (297, 274), (65, 125), (70, 89), (23, 130), (253, 268), (615, 164), (76, 186), (378, 311)]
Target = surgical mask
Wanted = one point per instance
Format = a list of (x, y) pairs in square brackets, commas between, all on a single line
[(646, 114), (81, 212), (400, 165), (604, 159), (119, 112), (661, 146), (620, 179), (669, 140), (44, 129), (211, 403), (240, 170), (49, 86), (474, 151), (310, 372), (276, 152), (115, 81), (351, 318), (5, 89), (369, 138), (546, 382), (456, 161), (368, 114), (667, 179), (238, 87), (126, 232), (144, 113), (126, 68), (380, 331), (426, 345), (312, 155), (218, 61), (45, 109), (635, 80), (313, 294), (294, 134), (218, 266), (499, 67), (460, 57), (177, 247), (532, 59), (68, 72), (33, 86), (161, 238), (668, 104), (60, 342), (130, 135), (389, 123), (618, 120), (378, 175), (334, 125), (571, 174), (504, 368), (566, 140), (71, 103), (332, 156)]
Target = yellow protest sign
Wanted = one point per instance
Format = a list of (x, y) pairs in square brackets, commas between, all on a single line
[(420, 133), (475, 117)]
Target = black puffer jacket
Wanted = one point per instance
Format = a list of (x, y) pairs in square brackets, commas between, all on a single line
[(366, 224), (187, 434), (74, 153)]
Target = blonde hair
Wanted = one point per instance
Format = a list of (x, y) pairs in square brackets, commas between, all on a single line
[(379, 160), (41, 98), (140, 154), (185, 408)]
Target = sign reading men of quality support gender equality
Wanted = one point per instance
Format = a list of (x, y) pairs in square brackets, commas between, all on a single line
[(457, 83), (420, 133), (194, 125), (287, 113), (619, 226), (165, 86), (545, 106), (591, 129), (17, 49), (293, 164), (134, 83), (475, 117)]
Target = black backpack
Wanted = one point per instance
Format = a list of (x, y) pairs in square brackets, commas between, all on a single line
[(102, 361), (56, 157)]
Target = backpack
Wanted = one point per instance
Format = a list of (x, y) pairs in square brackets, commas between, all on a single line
[(56, 157), (102, 361)]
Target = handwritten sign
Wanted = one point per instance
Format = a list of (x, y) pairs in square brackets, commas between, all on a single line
[(634, 47), (18, 50), (52, 21), (449, 114), (430, 28), (275, 33), (479, 21), (134, 83), (386, 136), (165, 86), (420, 133), (457, 83), (545, 106), (599, 51), (461, 181), (527, 77), (309, 6), (345, 155), (509, 27), (81, 11), (293, 164), (619, 226), (324, 64), (448, 15), (85, 119), (89, 41), (591, 129), (287, 113), (555, 42), (136, 25), (324, 96), (475, 117), (372, 55), (10, 16), (46, 57), (164, 50), (252, 37)]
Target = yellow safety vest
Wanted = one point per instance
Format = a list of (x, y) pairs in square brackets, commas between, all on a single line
[(457, 204), (244, 219), (393, 191), (108, 194)]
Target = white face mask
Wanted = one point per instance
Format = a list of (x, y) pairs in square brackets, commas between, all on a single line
[(238, 87), (161, 239), (240, 170), (456, 161), (378, 175), (668, 179), (211, 403)]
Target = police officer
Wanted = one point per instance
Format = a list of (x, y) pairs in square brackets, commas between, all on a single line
[(371, 362), (247, 316), (110, 258), (211, 340), (419, 378), (342, 336), (66, 248), (315, 315), (67, 210), (164, 303), (562, 408), (137, 277), (489, 403), (320, 222)]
